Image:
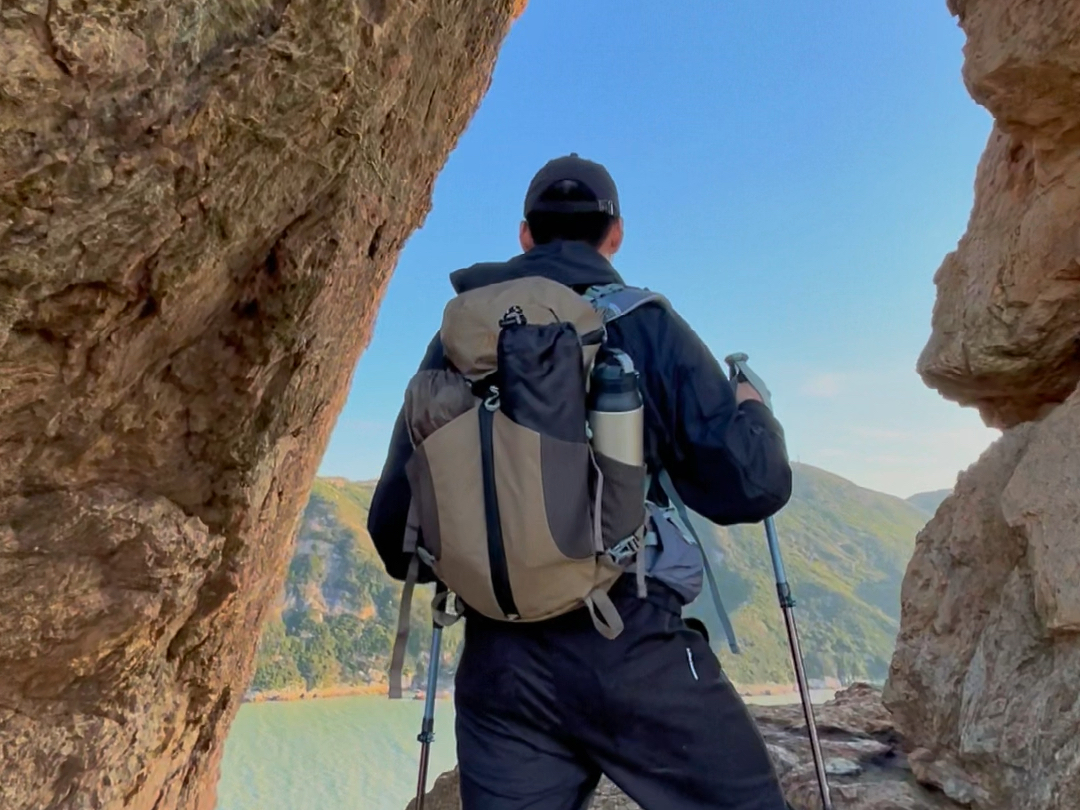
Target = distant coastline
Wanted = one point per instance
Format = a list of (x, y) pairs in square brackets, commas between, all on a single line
[(339, 690), (332, 630), (381, 690)]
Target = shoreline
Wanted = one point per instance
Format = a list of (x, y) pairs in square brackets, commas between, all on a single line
[(382, 690), (337, 691)]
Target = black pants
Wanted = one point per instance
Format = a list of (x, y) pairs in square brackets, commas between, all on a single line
[(544, 709)]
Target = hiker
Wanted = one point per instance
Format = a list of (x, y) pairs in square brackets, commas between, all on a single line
[(543, 708)]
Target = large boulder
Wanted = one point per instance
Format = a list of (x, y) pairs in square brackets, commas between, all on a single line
[(864, 756), (1007, 314), (985, 676), (201, 202)]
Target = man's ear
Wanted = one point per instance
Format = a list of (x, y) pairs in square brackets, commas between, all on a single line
[(613, 241), (525, 237)]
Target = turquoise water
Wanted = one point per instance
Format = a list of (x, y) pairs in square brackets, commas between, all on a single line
[(350, 753)]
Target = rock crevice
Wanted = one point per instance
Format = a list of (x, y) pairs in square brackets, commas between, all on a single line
[(983, 683)]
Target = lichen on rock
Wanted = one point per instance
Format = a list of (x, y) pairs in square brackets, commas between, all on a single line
[(201, 202)]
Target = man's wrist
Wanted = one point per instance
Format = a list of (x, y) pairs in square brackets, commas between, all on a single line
[(744, 392)]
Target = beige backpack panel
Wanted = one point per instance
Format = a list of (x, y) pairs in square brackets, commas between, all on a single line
[(471, 344), (450, 459)]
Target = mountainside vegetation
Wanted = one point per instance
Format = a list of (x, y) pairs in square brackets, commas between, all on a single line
[(337, 616), (845, 549)]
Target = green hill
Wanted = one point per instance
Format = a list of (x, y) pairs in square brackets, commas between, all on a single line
[(929, 502), (334, 624), (845, 549)]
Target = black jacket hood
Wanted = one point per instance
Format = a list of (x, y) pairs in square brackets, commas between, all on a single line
[(574, 264)]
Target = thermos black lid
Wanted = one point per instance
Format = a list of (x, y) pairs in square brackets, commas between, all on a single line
[(611, 377), (610, 385)]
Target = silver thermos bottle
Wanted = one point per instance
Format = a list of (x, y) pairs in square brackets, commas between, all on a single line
[(616, 412)]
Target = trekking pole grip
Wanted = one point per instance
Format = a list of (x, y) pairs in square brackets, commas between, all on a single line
[(741, 372)]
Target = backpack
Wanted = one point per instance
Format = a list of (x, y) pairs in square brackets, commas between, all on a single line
[(512, 508)]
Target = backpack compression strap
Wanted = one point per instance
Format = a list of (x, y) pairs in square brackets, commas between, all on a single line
[(440, 612), (401, 638)]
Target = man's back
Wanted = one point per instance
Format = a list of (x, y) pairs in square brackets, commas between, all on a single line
[(727, 459)]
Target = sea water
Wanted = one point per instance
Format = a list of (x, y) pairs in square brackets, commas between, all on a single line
[(347, 753)]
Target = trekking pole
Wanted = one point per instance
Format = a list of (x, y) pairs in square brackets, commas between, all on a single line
[(427, 725), (740, 372)]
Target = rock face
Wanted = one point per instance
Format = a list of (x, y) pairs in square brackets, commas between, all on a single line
[(201, 202), (985, 676), (868, 769), (1007, 315), (986, 670)]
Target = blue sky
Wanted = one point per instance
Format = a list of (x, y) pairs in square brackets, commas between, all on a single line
[(791, 175)]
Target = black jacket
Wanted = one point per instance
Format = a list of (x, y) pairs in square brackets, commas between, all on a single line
[(727, 461)]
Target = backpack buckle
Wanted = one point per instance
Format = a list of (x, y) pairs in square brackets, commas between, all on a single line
[(624, 550)]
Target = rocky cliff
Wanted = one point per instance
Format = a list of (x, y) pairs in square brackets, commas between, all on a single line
[(201, 202), (1007, 315), (984, 679)]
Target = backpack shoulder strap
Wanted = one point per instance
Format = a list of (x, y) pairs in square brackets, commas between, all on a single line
[(615, 300), (725, 621)]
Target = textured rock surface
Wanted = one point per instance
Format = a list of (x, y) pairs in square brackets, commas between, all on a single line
[(1007, 315), (987, 666), (985, 677), (201, 202), (867, 765)]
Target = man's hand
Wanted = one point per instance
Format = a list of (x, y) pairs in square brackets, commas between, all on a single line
[(745, 391)]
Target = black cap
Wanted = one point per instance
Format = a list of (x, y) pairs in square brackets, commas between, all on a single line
[(591, 175)]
